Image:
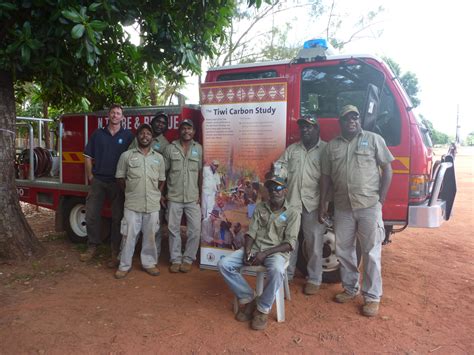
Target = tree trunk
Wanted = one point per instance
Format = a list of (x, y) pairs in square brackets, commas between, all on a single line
[(153, 92), (17, 240), (47, 136)]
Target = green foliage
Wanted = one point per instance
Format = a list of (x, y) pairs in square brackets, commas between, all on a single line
[(437, 137), (470, 139), (79, 53), (408, 80)]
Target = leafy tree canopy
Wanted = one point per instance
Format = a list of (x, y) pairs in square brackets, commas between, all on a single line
[(79, 51)]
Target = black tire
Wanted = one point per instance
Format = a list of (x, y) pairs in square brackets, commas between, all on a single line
[(330, 264), (74, 214)]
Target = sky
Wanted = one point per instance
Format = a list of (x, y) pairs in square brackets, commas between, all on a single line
[(428, 38)]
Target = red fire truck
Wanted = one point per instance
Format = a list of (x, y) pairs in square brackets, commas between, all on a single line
[(422, 190)]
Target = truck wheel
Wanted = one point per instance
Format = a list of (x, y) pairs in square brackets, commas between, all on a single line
[(330, 261), (74, 213)]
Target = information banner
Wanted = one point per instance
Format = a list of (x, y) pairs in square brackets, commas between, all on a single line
[(244, 131)]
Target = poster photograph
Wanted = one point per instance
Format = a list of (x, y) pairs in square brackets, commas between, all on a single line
[(244, 132)]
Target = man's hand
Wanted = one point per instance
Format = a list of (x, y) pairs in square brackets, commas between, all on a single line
[(90, 178), (323, 214), (163, 201), (259, 258), (248, 259)]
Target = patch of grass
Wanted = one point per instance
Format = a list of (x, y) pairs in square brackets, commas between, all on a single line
[(55, 236), (81, 248), (35, 265)]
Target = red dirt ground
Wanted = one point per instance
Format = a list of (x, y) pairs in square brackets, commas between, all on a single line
[(55, 304)]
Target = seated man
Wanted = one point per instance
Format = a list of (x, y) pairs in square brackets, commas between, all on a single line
[(271, 236)]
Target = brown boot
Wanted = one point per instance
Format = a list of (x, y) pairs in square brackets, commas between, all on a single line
[(344, 297), (119, 274), (174, 268), (185, 267), (259, 321), (310, 289), (245, 314), (88, 254), (370, 309), (153, 271)]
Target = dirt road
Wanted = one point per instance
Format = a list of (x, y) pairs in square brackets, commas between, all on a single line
[(56, 304)]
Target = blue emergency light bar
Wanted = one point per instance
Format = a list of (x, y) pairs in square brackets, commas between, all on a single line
[(315, 43)]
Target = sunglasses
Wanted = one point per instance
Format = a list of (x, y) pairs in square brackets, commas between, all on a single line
[(277, 188), (350, 117)]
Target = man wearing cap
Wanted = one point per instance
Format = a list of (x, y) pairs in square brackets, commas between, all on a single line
[(211, 182), (102, 153), (141, 173), (271, 237), (183, 159), (301, 164), (159, 124), (357, 163)]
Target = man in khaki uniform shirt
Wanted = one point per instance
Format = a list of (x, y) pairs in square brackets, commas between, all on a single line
[(358, 164), (159, 124), (301, 164), (141, 172), (272, 234), (183, 159)]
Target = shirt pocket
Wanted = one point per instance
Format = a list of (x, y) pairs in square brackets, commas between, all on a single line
[(364, 158), (193, 163), (135, 170), (279, 224), (176, 162), (154, 170), (294, 162)]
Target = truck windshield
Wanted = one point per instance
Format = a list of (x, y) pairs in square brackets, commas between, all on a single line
[(325, 89)]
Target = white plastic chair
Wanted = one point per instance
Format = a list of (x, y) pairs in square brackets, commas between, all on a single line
[(282, 293)]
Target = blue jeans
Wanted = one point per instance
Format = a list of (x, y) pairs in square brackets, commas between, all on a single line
[(230, 266)]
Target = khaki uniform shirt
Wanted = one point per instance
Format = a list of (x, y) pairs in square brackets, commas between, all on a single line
[(269, 229), (158, 144), (142, 174), (183, 171), (354, 169), (302, 168)]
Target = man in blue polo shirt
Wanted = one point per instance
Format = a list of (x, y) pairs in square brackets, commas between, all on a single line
[(101, 157)]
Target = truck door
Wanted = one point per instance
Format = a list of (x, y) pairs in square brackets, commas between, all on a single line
[(323, 87)]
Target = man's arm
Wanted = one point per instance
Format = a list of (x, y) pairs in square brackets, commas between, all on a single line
[(324, 186), (386, 180), (248, 242), (121, 183), (88, 166), (261, 255)]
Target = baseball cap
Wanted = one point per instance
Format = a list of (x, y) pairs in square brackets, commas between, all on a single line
[(186, 121), (348, 108), (275, 180), (144, 126), (308, 119)]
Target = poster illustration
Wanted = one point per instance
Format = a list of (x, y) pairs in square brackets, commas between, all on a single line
[(244, 132)]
